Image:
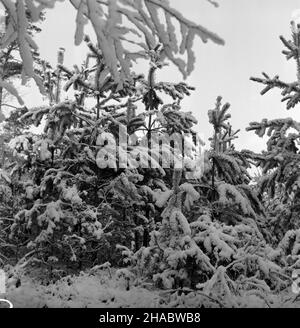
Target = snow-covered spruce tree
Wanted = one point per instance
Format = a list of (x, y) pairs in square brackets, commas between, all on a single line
[(280, 162), (113, 80), (203, 253), (143, 16), (230, 195), (78, 186)]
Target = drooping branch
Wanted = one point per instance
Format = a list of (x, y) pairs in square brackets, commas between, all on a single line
[(146, 28)]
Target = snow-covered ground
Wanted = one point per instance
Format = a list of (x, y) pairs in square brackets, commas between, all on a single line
[(103, 290), (96, 289)]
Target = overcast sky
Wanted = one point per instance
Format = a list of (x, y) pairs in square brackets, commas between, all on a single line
[(251, 30)]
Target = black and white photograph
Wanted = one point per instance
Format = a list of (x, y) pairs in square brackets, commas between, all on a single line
[(149, 157)]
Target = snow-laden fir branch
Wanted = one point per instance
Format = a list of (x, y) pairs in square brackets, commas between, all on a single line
[(107, 18), (290, 91)]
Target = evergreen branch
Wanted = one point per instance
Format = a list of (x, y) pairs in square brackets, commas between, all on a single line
[(275, 82), (200, 29), (290, 91)]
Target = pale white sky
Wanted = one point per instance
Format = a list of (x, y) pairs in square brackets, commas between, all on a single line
[(250, 28)]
